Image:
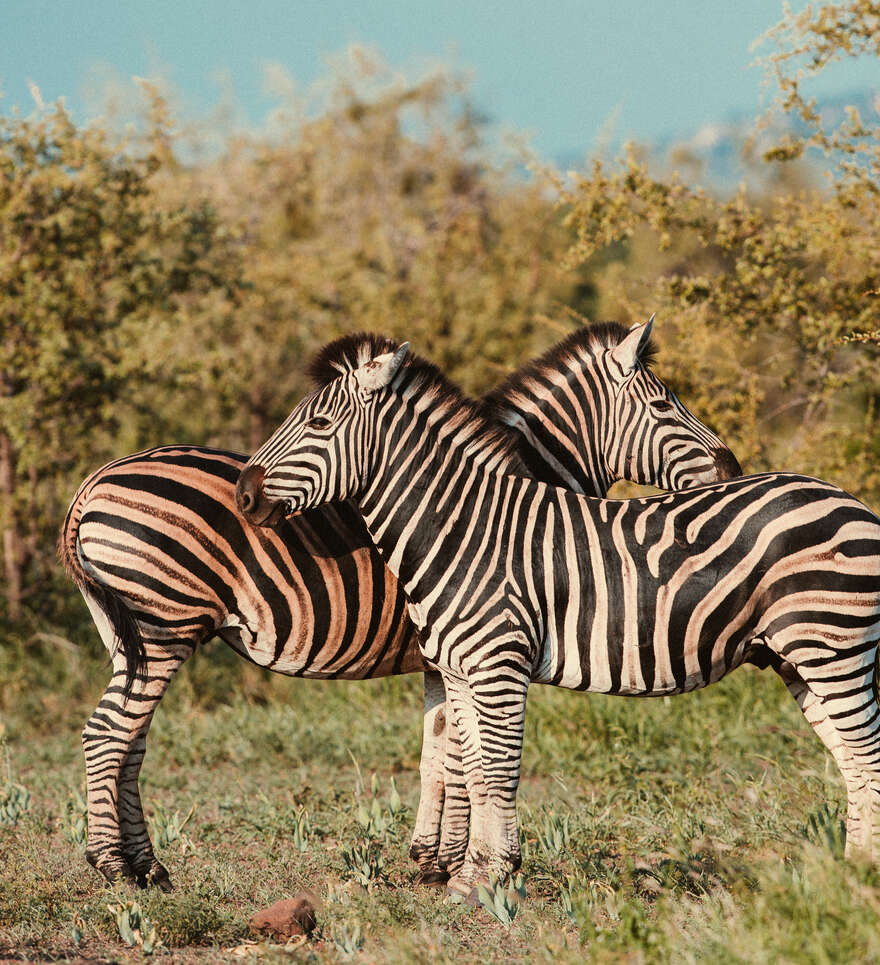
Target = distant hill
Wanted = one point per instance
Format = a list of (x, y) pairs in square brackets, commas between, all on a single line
[(714, 151)]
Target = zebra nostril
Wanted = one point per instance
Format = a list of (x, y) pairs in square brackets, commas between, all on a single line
[(247, 490)]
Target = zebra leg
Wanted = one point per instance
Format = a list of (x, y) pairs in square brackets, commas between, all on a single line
[(114, 741), (857, 785), (426, 836), (457, 807), (491, 724), (845, 707)]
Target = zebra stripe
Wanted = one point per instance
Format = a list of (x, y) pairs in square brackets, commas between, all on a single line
[(165, 562), (513, 580)]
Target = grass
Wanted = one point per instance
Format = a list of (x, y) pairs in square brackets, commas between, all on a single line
[(702, 828)]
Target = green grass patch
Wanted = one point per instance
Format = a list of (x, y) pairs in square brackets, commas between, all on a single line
[(698, 828)]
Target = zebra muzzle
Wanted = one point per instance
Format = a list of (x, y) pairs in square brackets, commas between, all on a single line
[(251, 499)]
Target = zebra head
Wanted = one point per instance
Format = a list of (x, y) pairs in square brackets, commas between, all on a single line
[(591, 411), (323, 451), (653, 438)]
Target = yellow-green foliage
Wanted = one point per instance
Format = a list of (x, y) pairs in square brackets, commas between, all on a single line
[(154, 293), (94, 273), (145, 301)]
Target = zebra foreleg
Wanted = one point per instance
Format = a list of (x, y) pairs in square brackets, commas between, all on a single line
[(114, 741), (457, 806), (490, 721)]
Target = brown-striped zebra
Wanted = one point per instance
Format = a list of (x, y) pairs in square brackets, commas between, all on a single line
[(511, 580), (165, 563)]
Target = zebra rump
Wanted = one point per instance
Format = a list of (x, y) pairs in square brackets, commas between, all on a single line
[(127, 633)]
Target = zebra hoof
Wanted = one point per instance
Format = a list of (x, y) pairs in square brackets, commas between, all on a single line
[(158, 877), (459, 897), (473, 898), (432, 879), (114, 870), (461, 889)]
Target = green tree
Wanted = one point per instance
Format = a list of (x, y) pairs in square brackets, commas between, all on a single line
[(146, 300), (95, 270), (379, 208)]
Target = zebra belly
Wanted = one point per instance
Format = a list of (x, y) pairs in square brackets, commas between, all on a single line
[(677, 602)]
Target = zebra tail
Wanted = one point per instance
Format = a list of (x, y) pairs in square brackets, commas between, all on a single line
[(125, 628)]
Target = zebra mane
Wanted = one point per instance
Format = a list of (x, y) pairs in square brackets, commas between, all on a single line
[(585, 342), (351, 351), (345, 354)]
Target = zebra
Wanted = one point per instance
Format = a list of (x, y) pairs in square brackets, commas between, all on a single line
[(511, 580), (156, 546)]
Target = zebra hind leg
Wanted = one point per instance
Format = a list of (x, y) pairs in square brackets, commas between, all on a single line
[(137, 847), (839, 699), (426, 836), (114, 741), (856, 784)]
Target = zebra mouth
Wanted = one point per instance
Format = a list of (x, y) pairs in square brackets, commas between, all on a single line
[(273, 517), (291, 507)]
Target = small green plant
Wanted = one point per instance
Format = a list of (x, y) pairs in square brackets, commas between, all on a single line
[(826, 828), (566, 899), (378, 819), (348, 941), (134, 927), (553, 834), (364, 863), (74, 820), (631, 926), (167, 828), (502, 903), (15, 799), (301, 830)]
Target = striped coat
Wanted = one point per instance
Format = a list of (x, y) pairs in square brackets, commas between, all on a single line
[(512, 580), (165, 563)]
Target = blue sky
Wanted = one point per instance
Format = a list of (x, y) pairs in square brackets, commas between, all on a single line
[(560, 70)]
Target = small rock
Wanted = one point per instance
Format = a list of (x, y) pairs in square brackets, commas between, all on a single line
[(286, 918)]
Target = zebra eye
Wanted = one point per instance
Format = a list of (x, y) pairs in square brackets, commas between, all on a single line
[(661, 405), (318, 422)]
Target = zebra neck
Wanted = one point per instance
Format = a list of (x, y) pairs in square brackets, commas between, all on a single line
[(559, 436), (421, 495)]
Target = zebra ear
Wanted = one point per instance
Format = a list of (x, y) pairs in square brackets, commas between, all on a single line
[(628, 353), (378, 372)]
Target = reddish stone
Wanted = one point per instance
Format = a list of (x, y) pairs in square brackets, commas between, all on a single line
[(286, 918)]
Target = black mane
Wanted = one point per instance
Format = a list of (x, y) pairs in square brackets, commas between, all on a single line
[(586, 341), (345, 354), (351, 351)]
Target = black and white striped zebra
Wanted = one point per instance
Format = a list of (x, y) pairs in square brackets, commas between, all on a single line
[(512, 580), (165, 563)]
